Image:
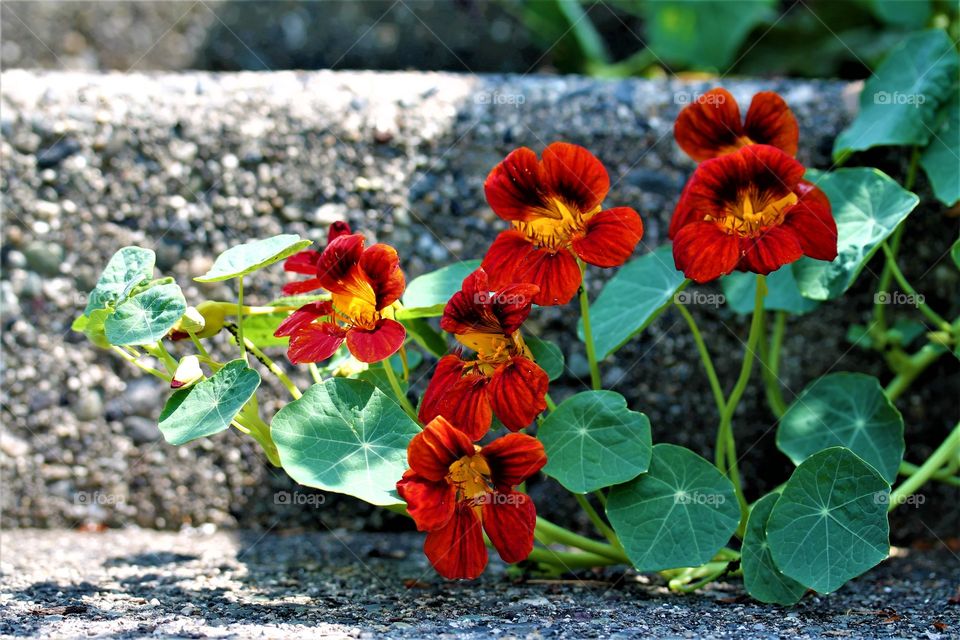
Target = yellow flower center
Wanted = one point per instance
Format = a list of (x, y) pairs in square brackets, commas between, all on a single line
[(752, 214), (555, 225), (471, 476), (493, 349), (357, 304)]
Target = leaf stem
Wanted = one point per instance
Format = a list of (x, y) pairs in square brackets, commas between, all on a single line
[(924, 308), (132, 360), (402, 398), (704, 357), (271, 366), (240, 341), (602, 527), (558, 534), (315, 372), (944, 454), (770, 361), (911, 368), (944, 475), (595, 380)]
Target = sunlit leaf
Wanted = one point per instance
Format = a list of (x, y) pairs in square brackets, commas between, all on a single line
[(251, 256)]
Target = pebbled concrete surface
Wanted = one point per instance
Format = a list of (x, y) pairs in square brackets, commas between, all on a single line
[(197, 584)]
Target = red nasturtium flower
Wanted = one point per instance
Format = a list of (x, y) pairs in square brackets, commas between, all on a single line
[(750, 210), (554, 206), (502, 379), (711, 126), (455, 490), (363, 284)]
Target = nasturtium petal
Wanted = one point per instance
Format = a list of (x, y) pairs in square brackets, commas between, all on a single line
[(129, 267), (830, 523), (762, 578), (345, 436), (427, 295), (547, 355), (593, 440), (740, 287), (899, 102), (678, 514), (145, 317), (941, 159), (210, 405), (248, 257), (631, 299), (867, 205), (849, 410)]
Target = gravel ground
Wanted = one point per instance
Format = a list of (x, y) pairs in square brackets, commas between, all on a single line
[(189, 164), (196, 584)]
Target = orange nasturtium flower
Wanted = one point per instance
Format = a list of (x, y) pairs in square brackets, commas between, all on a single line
[(554, 207), (750, 210), (711, 126), (502, 379), (456, 490), (363, 285)]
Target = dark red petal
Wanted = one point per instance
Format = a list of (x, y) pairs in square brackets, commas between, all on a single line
[(812, 219), (514, 188), (710, 126), (301, 286), (770, 121), (703, 252), (376, 344), (513, 458), (337, 229), (337, 260), (509, 519), (303, 316), (511, 305), (770, 250), (448, 371), (430, 503), (432, 451), (683, 213), (504, 256), (456, 551), (516, 392), (467, 406), (575, 176), (469, 309), (304, 262), (382, 266), (610, 237), (315, 342), (557, 275)]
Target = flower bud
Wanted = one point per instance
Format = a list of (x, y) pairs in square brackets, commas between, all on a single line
[(187, 373), (204, 321)]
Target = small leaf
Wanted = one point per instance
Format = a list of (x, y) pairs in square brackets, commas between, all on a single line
[(593, 440), (146, 317), (259, 329), (678, 514), (547, 355), (942, 156), (631, 299), (830, 523), (210, 405), (912, 14), (867, 206), (345, 436), (92, 326), (427, 295), (782, 293), (129, 267), (899, 103), (426, 336), (248, 257), (761, 576), (848, 410)]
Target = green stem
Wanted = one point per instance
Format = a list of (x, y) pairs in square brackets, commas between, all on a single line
[(948, 449), (240, 341), (925, 309), (315, 372), (132, 360), (944, 475), (595, 380), (911, 368), (398, 390), (704, 357), (770, 361), (259, 430), (551, 405), (602, 527), (707, 574), (569, 560), (271, 366), (199, 345), (558, 534)]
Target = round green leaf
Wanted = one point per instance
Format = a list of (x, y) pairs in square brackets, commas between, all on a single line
[(867, 205), (127, 268), (899, 102), (593, 440), (761, 576), (939, 160), (345, 436), (848, 410), (632, 298), (210, 405), (830, 523), (739, 289), (678, 514), (547, 355), (427, 295), (146, 317), (256, 254)]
